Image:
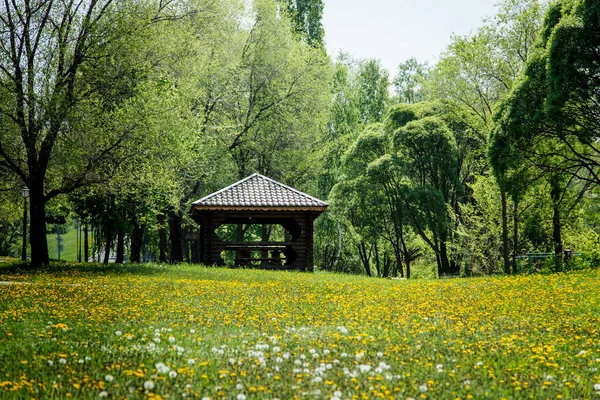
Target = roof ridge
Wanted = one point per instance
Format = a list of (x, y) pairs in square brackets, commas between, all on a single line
[(290, 188)]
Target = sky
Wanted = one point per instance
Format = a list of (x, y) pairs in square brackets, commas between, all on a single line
[(395, 30)]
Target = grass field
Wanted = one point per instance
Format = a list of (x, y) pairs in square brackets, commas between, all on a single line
[(187, 331)]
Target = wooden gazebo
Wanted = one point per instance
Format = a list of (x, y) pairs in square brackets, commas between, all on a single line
[(259, 200)]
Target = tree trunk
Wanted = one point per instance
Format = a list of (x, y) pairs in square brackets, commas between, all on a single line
[(338, 252), (515, 235), (162, 238), (555, 193), (175, 234), (37, 226), (120, 257), (364, 257), (265, 235), (107, 242), (137, 236), (446, 269), (377, 266), (505, 251), (86, 247)]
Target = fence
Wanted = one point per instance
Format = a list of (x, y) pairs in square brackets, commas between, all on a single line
[(536, 261)]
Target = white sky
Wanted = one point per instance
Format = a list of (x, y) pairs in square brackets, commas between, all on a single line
[(395, 30)]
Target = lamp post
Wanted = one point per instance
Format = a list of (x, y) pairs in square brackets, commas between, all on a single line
[(25, 194)]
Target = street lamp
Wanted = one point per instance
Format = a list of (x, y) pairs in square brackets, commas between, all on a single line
[(25, 194)]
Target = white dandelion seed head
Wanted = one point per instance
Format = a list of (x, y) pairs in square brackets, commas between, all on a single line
[(162, 368), (118, 333), (149, 385), (423, 388), (597, 387), (192, 331), (241, 396), (337, 394), (380, 354), (191, 361), (109, 378), (50, 362), (171, 339), (173, 374), (62, 360), (364, 368), (103, 393)]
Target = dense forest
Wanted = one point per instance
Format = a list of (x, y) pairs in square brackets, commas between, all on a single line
[(120, 114)]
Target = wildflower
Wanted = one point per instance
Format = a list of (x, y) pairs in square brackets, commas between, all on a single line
[(162, 368), (171, 339), (109, 378), (103, 393), (337, 394), (364, 368), (149, 385), (62, 360), (597, 387), (241, 396), (286, 355), (118, 333), (440, 368), (379, 354), (317, 379), (50, 362), (192, 331), (239, 386), (172, 374), (423, 388), (191, 361)]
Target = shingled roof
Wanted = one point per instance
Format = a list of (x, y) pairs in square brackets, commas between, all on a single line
[(258, 191)]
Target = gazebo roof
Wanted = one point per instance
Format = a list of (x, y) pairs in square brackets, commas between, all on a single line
[(259, 192)]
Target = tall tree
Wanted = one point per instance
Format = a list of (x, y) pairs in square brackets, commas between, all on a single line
[(62, 77), (307, 18), (409, 81)]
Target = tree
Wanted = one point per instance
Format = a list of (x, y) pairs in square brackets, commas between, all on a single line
[(65, 69), (306, 16), (409, 80), (373, 91)]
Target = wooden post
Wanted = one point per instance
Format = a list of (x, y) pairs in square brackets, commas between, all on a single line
[(207, 239), (309, 243)]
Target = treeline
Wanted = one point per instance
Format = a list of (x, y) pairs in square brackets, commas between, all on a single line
[(123, 113), (485, 156)]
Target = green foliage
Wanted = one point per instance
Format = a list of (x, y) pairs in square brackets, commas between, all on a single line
[(409, 81)]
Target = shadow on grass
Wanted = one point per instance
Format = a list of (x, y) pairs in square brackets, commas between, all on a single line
[(63, 267)]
